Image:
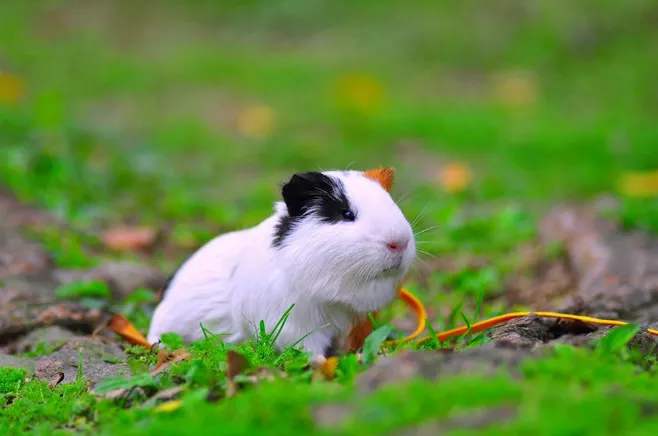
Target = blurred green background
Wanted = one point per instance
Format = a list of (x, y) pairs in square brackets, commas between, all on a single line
[(184, 117), (188, 115)]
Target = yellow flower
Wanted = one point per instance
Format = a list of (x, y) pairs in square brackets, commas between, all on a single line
[(256, 121), (639, 183)]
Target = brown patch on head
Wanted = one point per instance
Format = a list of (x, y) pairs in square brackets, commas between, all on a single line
[(383, 176)]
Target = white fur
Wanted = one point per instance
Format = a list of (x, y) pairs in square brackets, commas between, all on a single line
[(334, 274)]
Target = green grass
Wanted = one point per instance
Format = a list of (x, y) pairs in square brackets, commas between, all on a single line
[(606, 390), (188, 116)]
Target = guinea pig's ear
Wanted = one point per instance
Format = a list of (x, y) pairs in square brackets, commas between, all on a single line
[(300, 190), (383, 176)]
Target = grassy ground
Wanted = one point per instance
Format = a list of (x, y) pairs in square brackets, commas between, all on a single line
[(186, 118)]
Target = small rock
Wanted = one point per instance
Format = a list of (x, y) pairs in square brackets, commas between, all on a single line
[(52, 336), (16, 362), (95, 358), (434, 364)]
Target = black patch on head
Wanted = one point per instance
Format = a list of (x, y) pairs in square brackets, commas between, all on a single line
[(312, 194)]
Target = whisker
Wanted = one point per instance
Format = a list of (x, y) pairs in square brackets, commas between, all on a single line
[(404, 197), (426, 253), (419, 216), (426, 230)]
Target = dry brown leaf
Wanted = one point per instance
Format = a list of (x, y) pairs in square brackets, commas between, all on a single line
[(358, 335), (56, 380), (124, 328), (237, 363), (454, 177), (125, 238), (166, 359)]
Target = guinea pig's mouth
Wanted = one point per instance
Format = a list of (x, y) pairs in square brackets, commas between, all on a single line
[(392, 270)]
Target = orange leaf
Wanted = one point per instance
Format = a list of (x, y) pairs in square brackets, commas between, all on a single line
[(455, 177), (124, 328), (125, 238)]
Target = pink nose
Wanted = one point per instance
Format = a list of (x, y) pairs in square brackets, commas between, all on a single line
[(398, 245)]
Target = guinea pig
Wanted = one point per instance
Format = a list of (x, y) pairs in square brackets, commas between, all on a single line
[(336, 247)]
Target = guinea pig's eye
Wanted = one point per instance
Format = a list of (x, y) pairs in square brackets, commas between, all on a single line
[(348, 215)]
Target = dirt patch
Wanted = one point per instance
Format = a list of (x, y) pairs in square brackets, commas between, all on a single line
[(616, 270), (33, 319), (17, 254)]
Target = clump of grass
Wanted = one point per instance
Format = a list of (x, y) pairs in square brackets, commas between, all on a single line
[(83, 289), (11, 379)]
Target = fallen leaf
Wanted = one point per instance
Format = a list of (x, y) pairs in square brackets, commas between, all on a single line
[(236, 363), (639, 183), (124, 328), (166, 359), (12, 88), (56, 380), (328, 368), (358, 335), (256, 122), (125, 238), (454, 177), (168, 407)]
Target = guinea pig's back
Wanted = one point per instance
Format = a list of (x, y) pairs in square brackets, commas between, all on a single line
[(200, 292)]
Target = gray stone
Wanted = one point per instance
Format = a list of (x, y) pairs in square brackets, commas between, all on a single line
[(52, 336), (123, 277), (95, 358), (432, 365), (8, 360)]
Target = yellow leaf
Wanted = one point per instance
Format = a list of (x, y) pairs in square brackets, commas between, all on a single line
[(516, 89), (454, 177), (12, 88), (361, 93), (168, 406), (256, 122), (329, 367), (639, 183)]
